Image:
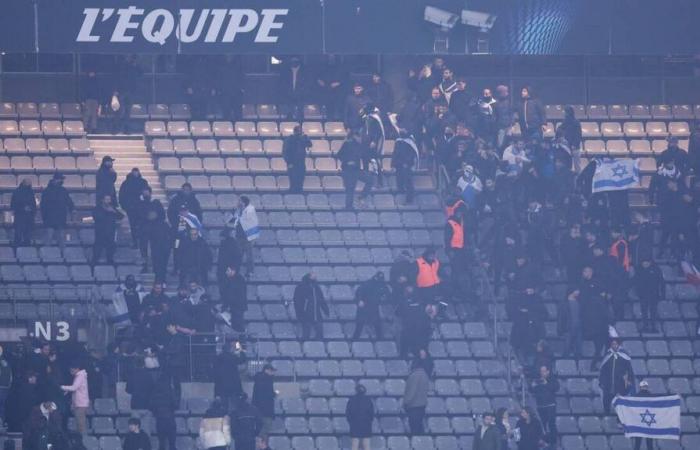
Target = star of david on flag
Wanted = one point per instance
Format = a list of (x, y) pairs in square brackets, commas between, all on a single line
[(650, 417), (615, 174)]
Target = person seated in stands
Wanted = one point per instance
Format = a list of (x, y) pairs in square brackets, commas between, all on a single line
[(136, 438)]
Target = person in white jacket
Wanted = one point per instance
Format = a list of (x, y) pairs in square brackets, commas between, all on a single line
[(215, 428), (80, 396)]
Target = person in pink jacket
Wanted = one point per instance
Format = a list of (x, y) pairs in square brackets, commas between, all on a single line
[(80, 397)]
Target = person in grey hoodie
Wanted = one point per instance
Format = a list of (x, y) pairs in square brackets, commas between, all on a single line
[(415, 397)]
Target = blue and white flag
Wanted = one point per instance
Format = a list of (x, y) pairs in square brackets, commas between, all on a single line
[(192, 221), (615, 174), (650, 417), (471, 187)]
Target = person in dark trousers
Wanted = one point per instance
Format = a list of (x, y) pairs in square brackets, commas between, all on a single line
[(359, 413), (531, 434), (332, 87), (91, 101), (380, 92), (139, 384), (369, 297), (615, 373), (594, 312), (545, 390), (44, 428), (264, 395), (646, 393), (174, 361), (404, 161), (531, 114), (106, 217), (569, 324), (234, 296), (650, 286), (227, 375), (105, 179), (129, 198), (159, 238), (194, 258), (456, 247), (163, 406), (350, 156), (294, 87), (310, 306), (25, 395), (6, 379), (56, 209), (148, 211), (571, 129), (230, 255), (136, 438), (294, 152), (415, 398), (487, 435), (246, 424), (23, 205), (503, 115), (184, 198)]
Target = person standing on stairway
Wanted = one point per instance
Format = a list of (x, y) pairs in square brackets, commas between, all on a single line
[(129, 197), (106, 217), (105, 179)]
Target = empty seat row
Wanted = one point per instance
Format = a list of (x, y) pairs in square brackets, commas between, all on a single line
[(239, 164), (634, 129), (270, 147), (64, 273), (327, 219), (271, 112), (41, 128), (41, 145), (30, 110), (623, 148), (45, 310), (47, 164), (622, 112), (160, 111), (242, 128), (293, 202), (72, 181), (267, 183)]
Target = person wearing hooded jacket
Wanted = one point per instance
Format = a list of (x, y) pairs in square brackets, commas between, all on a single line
[(23, 207), (129, 197), (369, 296), (616, 373), (359, 412), (310, 306), (404, 161), (56, 207), (105, 179)]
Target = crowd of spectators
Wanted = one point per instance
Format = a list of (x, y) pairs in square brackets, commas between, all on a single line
[(515, 207)]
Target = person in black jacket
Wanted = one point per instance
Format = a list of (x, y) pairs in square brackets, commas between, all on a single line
[(230, 255), (139, 384), (56, 208), (106, 217), (264, 395), (294, 153), (227, 376), (294, 87), (23, 206), (571, 128), (651, 288), (528, 318), (530, 427), (332, 87), (185, 198), (246, 424), (310, 306), (129, 198), (354, 104), (44, 428), (350, 156), (369, 296), (136, 438), (503, 115), (105, 179), (531, 114), (404, 160), (159, 237), (545, 390), (616, 373), (163, 406), (360, 414), (24, 394), (147, 212), (194, 258), (462, 104), (174, 361), (234, 296)]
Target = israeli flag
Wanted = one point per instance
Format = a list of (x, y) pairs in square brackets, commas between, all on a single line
[(615, 174), (650, 417), (471, 187)]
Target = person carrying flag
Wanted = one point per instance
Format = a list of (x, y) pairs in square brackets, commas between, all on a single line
[(615, 373)]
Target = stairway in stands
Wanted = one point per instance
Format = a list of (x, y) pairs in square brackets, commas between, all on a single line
[(129, 152)]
